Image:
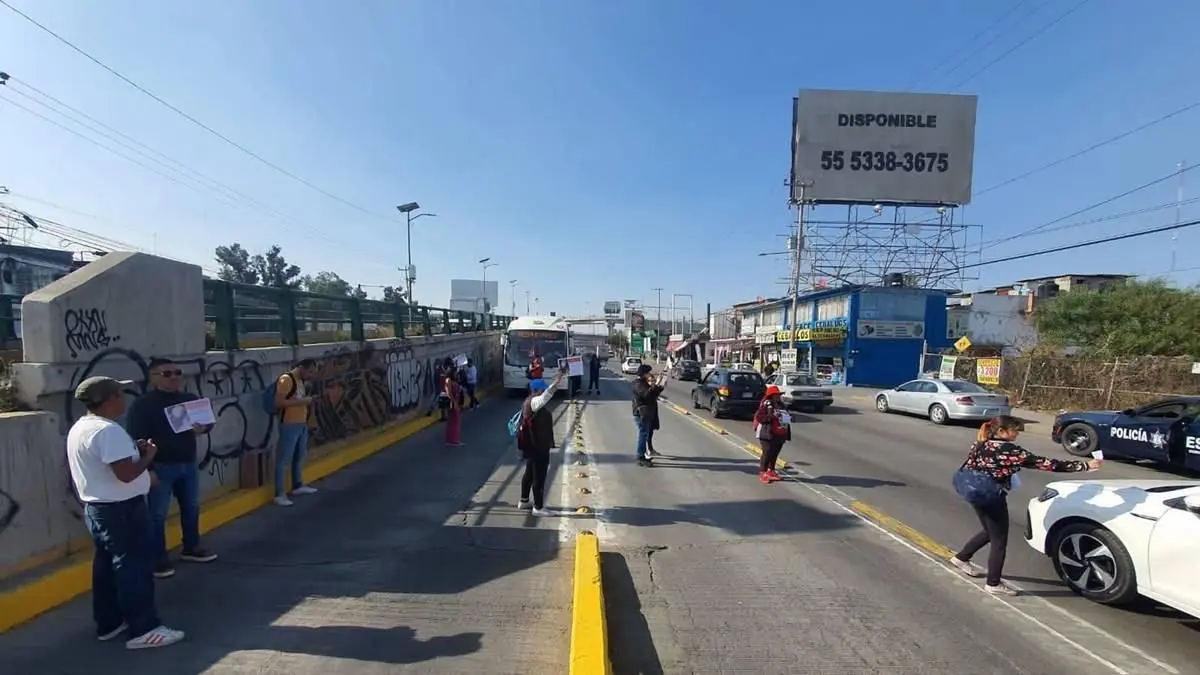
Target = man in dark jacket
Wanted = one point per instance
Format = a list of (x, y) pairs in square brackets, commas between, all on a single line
[(645, 412), (174, 465), (594, 374), (535, 441)]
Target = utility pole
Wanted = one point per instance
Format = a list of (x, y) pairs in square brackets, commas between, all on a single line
[(799, 247), (513, 287), (1178, 213), (657, 313), (527, 313)]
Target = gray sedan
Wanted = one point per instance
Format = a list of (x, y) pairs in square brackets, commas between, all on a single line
[(943, 400)]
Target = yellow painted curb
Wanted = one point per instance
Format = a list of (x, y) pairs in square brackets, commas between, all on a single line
[(74, 578), (757, 452), (713, 428), (901, 530), (589, 629)]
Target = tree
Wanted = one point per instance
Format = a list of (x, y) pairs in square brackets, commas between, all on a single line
[(358, 292), (274, 270), (236, 265), (393, 294), (618, 341), (1136, 318), (326, 283)]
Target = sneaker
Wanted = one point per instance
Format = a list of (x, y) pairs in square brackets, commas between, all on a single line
[(105, 637), (644, 461), (968, 568), (651, 452), (774, 475), (164, 570), (764, 478), (159, 637), (540, 511), (283, 501), (305, 490), (1000, 589), (198, 555), (524, 505)]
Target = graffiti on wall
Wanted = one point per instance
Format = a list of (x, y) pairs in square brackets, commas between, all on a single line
[(86, 330), (9, 508)]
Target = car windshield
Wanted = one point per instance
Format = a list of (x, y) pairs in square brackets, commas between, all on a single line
[(961, 387), (689, 364), (800, 380), (548, 344)]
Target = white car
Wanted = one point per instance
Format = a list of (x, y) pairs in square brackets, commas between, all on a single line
[(1112, 540), (630, 365), (943, 400), (742, 366)]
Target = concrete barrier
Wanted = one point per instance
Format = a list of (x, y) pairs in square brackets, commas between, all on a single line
[(115, 315), (589, 627)]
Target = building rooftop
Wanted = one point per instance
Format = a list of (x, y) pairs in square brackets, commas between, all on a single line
[(1089, 276)]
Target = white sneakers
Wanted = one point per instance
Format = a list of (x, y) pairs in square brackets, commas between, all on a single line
[(302, 490), (972, 570), (527, 505), (159, 637)]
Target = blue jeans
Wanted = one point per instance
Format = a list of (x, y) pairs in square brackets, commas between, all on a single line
[(644, 431), (123, 566), (293, 446), (181, 479)]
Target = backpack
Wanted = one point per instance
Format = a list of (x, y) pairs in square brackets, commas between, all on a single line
[(268, 396)]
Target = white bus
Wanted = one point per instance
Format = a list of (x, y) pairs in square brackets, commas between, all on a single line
[(547, 336)]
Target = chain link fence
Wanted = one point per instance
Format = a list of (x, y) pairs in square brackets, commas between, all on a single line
[(1072, 383)]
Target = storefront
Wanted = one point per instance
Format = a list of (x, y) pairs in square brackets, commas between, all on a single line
[(862, 335)]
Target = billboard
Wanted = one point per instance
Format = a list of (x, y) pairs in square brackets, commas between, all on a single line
[(636, 321), (612, 307), (868, 147), (468, 294)]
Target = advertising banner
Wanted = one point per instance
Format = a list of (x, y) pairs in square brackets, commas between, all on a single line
[(987, 371), (946, 371)]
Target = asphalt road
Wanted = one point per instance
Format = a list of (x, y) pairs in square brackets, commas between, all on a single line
[(708, 571), (899, 468), (413, 560)]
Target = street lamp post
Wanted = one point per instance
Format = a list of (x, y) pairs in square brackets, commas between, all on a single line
[(657, 317), (513, 286), (409, 273), (527, 312), (485, 263)]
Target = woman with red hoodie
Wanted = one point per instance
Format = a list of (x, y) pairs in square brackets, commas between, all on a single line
[(772, 427)]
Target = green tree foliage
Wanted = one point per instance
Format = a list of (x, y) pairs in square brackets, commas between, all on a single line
[(326, 283), (265, 269), (1137, 318), (393, 294), (618, 341)]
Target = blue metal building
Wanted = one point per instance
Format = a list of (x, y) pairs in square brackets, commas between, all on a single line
[(858, 335)]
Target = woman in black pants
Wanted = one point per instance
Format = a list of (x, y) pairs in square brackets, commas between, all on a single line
[(772, 433), (995, 457)]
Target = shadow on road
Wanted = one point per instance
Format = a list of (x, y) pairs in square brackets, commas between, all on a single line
[(847, 481), (756, 518), (630, 643)]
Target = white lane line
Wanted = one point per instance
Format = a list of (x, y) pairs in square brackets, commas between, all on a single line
[(1098, 632)]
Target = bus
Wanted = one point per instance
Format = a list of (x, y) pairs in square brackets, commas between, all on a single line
[(548, 336)]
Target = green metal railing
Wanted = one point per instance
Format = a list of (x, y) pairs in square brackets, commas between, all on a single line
[(239, 316)]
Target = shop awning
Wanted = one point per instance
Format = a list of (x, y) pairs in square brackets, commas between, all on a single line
[(675, 345)]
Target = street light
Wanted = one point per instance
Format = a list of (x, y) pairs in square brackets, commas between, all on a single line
[(691, 311), (512, 283), (485, 263), (409, 273)]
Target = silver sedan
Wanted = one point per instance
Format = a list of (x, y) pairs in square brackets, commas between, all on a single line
[(943, 400)]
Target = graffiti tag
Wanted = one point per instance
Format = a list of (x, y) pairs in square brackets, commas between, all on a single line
[(87, 330)]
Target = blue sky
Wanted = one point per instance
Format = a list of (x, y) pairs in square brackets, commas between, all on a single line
[(593, 149)]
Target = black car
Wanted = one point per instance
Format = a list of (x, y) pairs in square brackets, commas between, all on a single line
[(686, 371), (729, 391), (1167, 431)]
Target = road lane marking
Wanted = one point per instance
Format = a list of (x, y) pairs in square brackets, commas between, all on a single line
[(938, 554)]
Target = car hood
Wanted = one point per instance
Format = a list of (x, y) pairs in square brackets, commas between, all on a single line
[(1096, 416), (1116, 484)]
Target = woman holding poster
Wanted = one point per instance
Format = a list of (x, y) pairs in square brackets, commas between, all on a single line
[(453, 391)]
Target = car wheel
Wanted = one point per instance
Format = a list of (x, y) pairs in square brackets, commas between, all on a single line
[(714, 408), (937, 414), (1080, 439), (881, 403), (1092, 562)]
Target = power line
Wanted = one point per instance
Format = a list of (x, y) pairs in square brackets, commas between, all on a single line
[(1085, 244), (978, 36), (1043, 226), (1111, 217), (1061, 17), (1090, 148), (228, 141)]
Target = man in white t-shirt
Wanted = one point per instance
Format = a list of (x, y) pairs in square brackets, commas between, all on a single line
[(110, 474)]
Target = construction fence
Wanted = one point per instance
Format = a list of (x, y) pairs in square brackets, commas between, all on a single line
[(1072, 383)]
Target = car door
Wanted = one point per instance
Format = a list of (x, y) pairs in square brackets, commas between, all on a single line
[(1174, 555), (704, 388), (901, 398), (1146, 433), (924, 395)]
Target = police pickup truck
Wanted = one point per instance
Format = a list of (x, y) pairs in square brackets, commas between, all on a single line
[(1166, 431)]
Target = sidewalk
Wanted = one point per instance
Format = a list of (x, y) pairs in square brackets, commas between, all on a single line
[(413, 560)]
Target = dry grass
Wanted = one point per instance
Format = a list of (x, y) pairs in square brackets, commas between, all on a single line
[(8, 390)]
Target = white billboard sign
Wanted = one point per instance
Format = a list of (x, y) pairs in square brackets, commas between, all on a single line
[(612, 307), (869, 147)]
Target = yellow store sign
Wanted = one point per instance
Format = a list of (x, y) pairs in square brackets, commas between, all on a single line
[(987, 371), (813, 335)]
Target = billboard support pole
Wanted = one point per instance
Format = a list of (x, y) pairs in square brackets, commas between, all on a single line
[(793, 323)]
